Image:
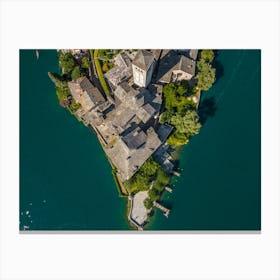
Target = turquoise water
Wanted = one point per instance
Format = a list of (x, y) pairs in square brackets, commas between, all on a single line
[(220, 185), (66, 181), (63, 171)]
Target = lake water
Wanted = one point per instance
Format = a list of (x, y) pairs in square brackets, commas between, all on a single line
[(66, 181)]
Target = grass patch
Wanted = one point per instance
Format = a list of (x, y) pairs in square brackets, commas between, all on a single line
[(94, 57)]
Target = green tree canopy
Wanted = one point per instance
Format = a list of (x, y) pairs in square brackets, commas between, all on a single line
[(67, 62), (76, 73), (207, 55), (150, 167), (153, 194), (176, 99), (85, 62), (206, 75), (57, 79), (148, 203), (187, 124), (142, 182)]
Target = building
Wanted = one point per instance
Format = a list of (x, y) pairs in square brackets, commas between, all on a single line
[(85, 94), (174, 67), (143, 67), (129, 131), (127, 123), (121, 71), (131, 149)]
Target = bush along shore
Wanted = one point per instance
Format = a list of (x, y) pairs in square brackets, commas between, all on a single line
[(71, 69)]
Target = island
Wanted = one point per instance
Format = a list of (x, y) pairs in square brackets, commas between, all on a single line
[(142, 105)]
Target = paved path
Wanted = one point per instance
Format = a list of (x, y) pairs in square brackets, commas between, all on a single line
[(139, 213)]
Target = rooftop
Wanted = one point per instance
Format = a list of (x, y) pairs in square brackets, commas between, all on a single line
[(135, 138), (143, 59), (85, 93), (172, 62)]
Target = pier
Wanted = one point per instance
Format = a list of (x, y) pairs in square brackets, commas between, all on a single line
[(168, 189), (176, 173), (162, 208)]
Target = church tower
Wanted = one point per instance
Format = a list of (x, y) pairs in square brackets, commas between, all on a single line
[(143, 67)]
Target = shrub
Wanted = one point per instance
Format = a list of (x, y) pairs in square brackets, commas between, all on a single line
[(148, 203)]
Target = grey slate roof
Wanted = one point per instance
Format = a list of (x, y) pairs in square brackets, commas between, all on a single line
[(172, 62), (124, 92), (128, 161), (91, 90), (187, 65), (146, 112), (143, 59), (193, 54), (82, 87), (135, 138)]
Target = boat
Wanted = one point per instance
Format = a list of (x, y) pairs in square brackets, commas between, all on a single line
[(37, 54)]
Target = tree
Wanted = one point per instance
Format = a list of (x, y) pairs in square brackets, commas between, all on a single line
[(76, 73), (105, 68), (153, 194), (142, 181), (57, 79), (187, 124), (85, 62), (206, 75), (207, 55), (149, 168), (162, 177), (67, 62), (148, 203), (177, 139), (176, 96)]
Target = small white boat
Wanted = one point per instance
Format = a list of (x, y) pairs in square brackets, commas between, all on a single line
[(37, 54)]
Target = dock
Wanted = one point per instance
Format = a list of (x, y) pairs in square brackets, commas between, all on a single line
[(162, 208), (168, 189), (176, 173)]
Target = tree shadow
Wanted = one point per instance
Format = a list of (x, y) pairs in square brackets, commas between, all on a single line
[(218, 66), (207, 108), (219, 69)]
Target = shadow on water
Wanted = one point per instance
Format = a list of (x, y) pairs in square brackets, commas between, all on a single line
[(219, 69), (207, 108), (218, 66)]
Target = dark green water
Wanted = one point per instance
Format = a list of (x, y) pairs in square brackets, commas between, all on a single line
[(66, 178), (220, 186), (63, 170)]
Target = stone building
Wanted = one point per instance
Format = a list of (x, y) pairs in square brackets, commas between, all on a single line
[(127, 122), (132, 149), (121, 71), (85, 93), (174, 67), (142, 67), (129, 130)]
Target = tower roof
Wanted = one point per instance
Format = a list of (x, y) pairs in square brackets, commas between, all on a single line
[(143, 59)]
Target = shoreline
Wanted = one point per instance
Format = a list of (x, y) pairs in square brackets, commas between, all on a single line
[(156, 184)]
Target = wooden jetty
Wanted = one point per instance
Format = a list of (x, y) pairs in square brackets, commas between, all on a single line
[(162, 208), (176, 173), (168, 189)]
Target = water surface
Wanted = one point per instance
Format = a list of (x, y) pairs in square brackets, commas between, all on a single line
[(66, 181)]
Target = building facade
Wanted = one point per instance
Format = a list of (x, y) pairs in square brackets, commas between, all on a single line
[(143, 67)]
